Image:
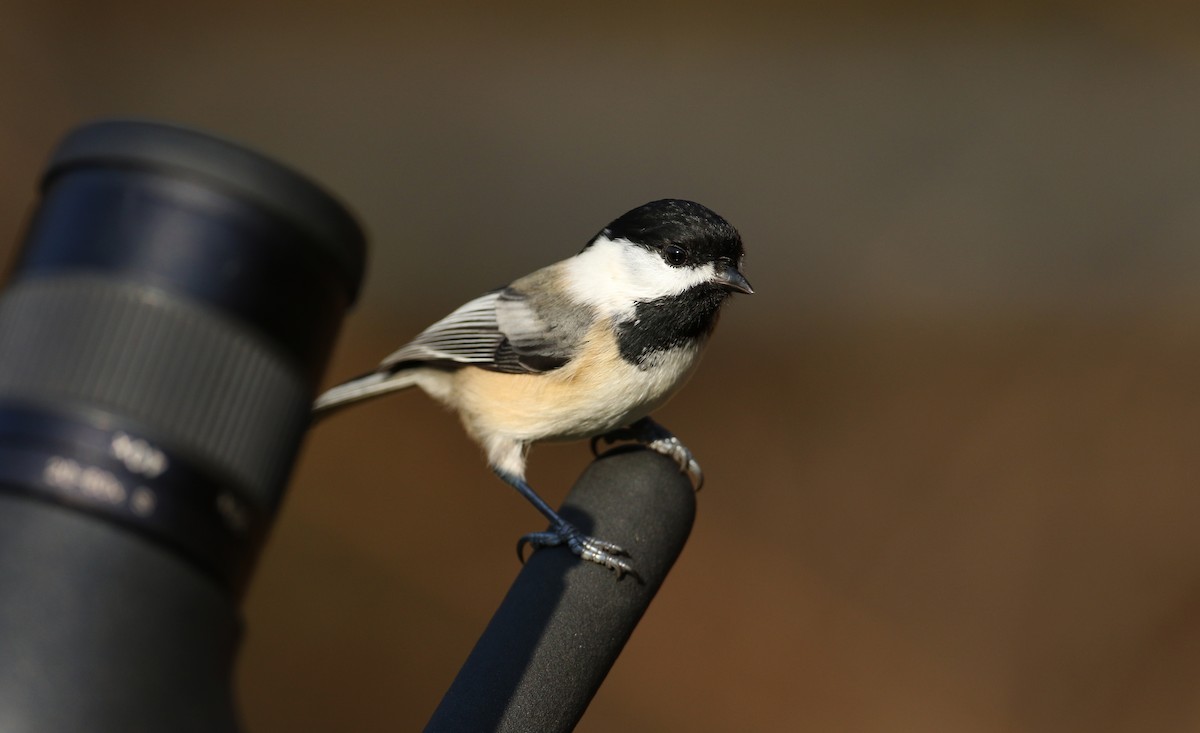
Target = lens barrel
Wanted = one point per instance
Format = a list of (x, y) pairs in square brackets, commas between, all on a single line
[(162, 335)]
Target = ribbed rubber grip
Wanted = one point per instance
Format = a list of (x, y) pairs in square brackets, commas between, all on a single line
[(206, 383)]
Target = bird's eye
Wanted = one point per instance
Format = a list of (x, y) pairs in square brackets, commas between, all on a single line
[(674, 254)]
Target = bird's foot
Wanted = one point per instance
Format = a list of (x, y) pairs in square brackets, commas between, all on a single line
[(658, 439), (589, 548)]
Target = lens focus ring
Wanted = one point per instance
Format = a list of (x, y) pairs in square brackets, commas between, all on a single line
[(211, 392)]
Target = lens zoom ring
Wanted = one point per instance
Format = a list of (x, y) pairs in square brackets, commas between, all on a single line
[(199, 382)]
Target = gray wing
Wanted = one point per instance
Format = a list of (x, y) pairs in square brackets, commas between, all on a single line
[(503, 331)]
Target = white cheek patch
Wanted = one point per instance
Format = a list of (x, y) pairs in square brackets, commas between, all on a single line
[(613, 275)]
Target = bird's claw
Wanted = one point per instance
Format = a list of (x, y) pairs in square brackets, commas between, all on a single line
[(596, 443), (604, 553), (658, 439)]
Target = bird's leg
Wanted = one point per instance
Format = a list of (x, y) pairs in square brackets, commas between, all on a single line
[(562, 532), (658, 439)]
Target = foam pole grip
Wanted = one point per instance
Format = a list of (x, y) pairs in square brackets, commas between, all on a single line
[(563, 623)]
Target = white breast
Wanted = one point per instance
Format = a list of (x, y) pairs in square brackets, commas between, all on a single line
[(596, 392), (628, 393)]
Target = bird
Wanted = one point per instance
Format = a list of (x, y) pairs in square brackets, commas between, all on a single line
[(585, 348)]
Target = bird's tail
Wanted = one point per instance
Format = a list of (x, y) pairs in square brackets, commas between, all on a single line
[(361, 388)]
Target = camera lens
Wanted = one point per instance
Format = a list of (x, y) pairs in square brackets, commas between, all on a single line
[(163, 332)]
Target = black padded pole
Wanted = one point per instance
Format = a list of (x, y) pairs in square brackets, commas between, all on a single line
[(564, 621)]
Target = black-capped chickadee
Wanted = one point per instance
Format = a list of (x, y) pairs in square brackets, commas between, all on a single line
[(584, 348)]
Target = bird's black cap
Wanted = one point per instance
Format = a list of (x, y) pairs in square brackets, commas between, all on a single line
[(704, 233)]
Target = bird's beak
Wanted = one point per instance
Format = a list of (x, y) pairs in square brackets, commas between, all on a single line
[(732, 278)]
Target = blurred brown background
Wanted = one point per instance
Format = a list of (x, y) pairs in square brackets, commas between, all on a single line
[(950, 445)]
